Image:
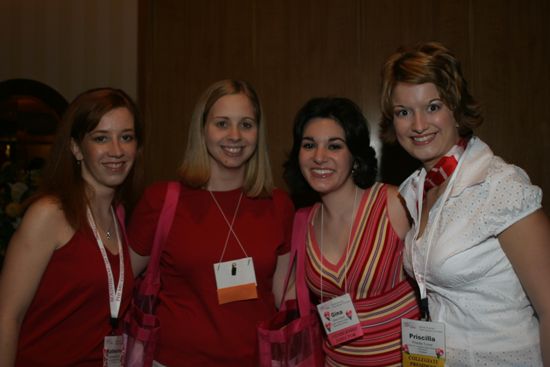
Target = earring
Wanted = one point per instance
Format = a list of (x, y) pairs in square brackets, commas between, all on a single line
[(354, 167), (78, 162)]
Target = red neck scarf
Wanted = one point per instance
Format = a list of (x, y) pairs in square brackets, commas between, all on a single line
[(445, 167)]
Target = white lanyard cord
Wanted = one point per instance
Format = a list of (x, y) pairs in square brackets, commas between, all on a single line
[(422, 284), (347, 245), (230, 225), (115, 296)]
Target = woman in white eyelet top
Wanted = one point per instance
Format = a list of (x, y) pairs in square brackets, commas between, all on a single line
[(479, 245), (472, 286)]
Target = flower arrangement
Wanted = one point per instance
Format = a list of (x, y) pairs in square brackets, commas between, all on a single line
[(16, 185)]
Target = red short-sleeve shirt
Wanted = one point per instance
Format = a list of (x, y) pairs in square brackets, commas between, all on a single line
[(195, 329)]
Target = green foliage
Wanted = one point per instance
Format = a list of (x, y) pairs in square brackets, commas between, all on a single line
[(16, 185)]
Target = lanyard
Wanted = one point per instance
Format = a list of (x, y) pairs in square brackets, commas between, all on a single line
[(230, 225), (115, 296), (421, 276), (347, 246)]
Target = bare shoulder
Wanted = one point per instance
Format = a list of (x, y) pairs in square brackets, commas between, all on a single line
[(44, 223), (45, 212), (392, 190), (42, 230), (397, 212)]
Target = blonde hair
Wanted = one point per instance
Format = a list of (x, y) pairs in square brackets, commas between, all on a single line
[(195, 169)]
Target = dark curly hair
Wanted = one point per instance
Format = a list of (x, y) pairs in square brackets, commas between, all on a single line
[(349, 116)]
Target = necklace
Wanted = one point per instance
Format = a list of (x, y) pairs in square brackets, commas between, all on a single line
[(108, 233)]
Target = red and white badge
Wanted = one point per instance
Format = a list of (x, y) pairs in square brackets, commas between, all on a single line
[(340, 320)]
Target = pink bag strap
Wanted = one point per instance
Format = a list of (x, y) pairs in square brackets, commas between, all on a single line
[(163, 227), (298, 257)]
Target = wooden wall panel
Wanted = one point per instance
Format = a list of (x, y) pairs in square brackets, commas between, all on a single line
[(70, 45), (294, 50), (512, 79), (310, 61)]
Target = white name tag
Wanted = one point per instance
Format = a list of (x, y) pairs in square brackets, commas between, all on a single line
[(113, 351), (340, 319), (423, 343), (235, 280)]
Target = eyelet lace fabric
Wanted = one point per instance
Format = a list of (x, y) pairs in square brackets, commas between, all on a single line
[(527, 357), (472, 287)]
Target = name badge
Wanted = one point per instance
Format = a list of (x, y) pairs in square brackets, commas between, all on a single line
[(235, 280), (340, 320), (113, 351), (423, 343)]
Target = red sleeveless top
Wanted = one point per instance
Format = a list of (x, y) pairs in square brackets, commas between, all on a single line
[(69, 316)]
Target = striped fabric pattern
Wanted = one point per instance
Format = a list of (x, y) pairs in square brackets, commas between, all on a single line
[(373, 271)]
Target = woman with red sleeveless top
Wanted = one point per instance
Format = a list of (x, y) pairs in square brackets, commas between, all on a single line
[(67, 278)]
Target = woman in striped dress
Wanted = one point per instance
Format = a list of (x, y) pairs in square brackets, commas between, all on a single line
[(354, 235)]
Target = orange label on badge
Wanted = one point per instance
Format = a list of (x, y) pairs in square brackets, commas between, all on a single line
[(235, 280), (237, 293)]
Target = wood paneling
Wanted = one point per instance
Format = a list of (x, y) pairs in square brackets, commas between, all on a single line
[(292, 50), (510, 59), (70, 45)]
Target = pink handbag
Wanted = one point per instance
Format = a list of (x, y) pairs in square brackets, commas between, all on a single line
[(293, 337), (141, 324)]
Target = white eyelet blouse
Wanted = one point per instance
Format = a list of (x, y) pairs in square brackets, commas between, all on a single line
[(471, 285)]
